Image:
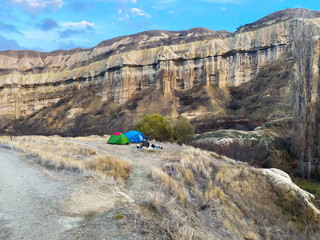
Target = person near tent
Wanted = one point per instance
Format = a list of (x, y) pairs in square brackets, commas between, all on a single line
[(145, 143)]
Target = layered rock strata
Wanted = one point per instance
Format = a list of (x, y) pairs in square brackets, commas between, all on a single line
[(125, 65)]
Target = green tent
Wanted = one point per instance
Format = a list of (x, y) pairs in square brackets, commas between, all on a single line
[(118, 138)]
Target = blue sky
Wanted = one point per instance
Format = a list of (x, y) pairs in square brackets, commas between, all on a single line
[(46, 25)]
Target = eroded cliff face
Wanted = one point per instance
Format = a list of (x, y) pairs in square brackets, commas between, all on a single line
[(125, 66)]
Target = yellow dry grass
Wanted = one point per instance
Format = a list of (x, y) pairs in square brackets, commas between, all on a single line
[(107, 165), (60, 153), (199, 186), (197, 194)]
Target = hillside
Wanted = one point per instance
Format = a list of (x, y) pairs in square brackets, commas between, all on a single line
[(178, 192), (205, 75)]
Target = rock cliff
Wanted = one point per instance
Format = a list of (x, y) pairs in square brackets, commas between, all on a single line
[(171, 63)]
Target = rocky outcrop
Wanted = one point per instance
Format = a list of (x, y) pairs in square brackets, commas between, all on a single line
[(284, 186), (163, 60), (262, 147)]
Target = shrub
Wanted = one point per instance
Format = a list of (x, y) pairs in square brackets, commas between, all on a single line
[(155, 126), (183, 130), (158, 127)]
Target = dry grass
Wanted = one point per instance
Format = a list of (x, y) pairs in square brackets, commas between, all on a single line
[(202, 197), (107, 165), (57, 152), (197, 194)]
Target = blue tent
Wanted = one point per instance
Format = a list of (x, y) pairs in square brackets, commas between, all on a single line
[(134, 136)]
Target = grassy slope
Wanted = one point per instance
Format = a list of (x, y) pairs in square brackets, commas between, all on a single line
[(311, 187), (196, 195)]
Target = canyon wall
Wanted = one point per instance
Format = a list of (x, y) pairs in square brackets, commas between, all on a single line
[(30, 81)]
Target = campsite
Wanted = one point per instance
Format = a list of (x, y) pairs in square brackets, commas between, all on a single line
[(99, 189), (159, 120), (135, 137)]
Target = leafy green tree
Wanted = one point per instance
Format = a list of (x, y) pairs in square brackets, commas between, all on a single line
[(155, 126), (183, 130)]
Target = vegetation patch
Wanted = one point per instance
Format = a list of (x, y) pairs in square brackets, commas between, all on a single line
[(118, 215), (260, 148), (311, 187), (198, 193), (110, 166), (158, 127)]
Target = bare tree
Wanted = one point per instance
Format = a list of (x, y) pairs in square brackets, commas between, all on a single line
[(305, 94)]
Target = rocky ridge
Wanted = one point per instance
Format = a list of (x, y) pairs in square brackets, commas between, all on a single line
[(158, 60)]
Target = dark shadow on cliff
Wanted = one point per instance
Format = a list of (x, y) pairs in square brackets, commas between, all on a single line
[(251, 104), (83, 112)]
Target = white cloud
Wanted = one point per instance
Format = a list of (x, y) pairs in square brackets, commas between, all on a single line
[(134, 1), (139, 12), (33, 7), (78, 24), (171, 12), (126, 13), (223, 9)]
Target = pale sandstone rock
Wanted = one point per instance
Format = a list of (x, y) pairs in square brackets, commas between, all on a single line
[(28, 76), (282, 183)]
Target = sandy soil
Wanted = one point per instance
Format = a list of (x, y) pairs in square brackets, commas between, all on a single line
[(39, 203)]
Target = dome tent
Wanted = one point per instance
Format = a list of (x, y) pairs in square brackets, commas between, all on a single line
[(134, 136), (118, 138)]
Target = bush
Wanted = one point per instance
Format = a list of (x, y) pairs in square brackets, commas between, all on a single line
[(183, 130), (158, 127), (155, 126)]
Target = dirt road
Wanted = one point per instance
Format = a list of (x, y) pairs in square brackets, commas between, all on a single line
[(39, 203), (36, 203), (29, 200)]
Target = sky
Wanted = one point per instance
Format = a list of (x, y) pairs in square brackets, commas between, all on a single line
[(47, 25)]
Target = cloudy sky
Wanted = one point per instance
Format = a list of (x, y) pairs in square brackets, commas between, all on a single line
[(46, 25)]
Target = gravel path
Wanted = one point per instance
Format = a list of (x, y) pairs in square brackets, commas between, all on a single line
[(30, 200), (37, 204)]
